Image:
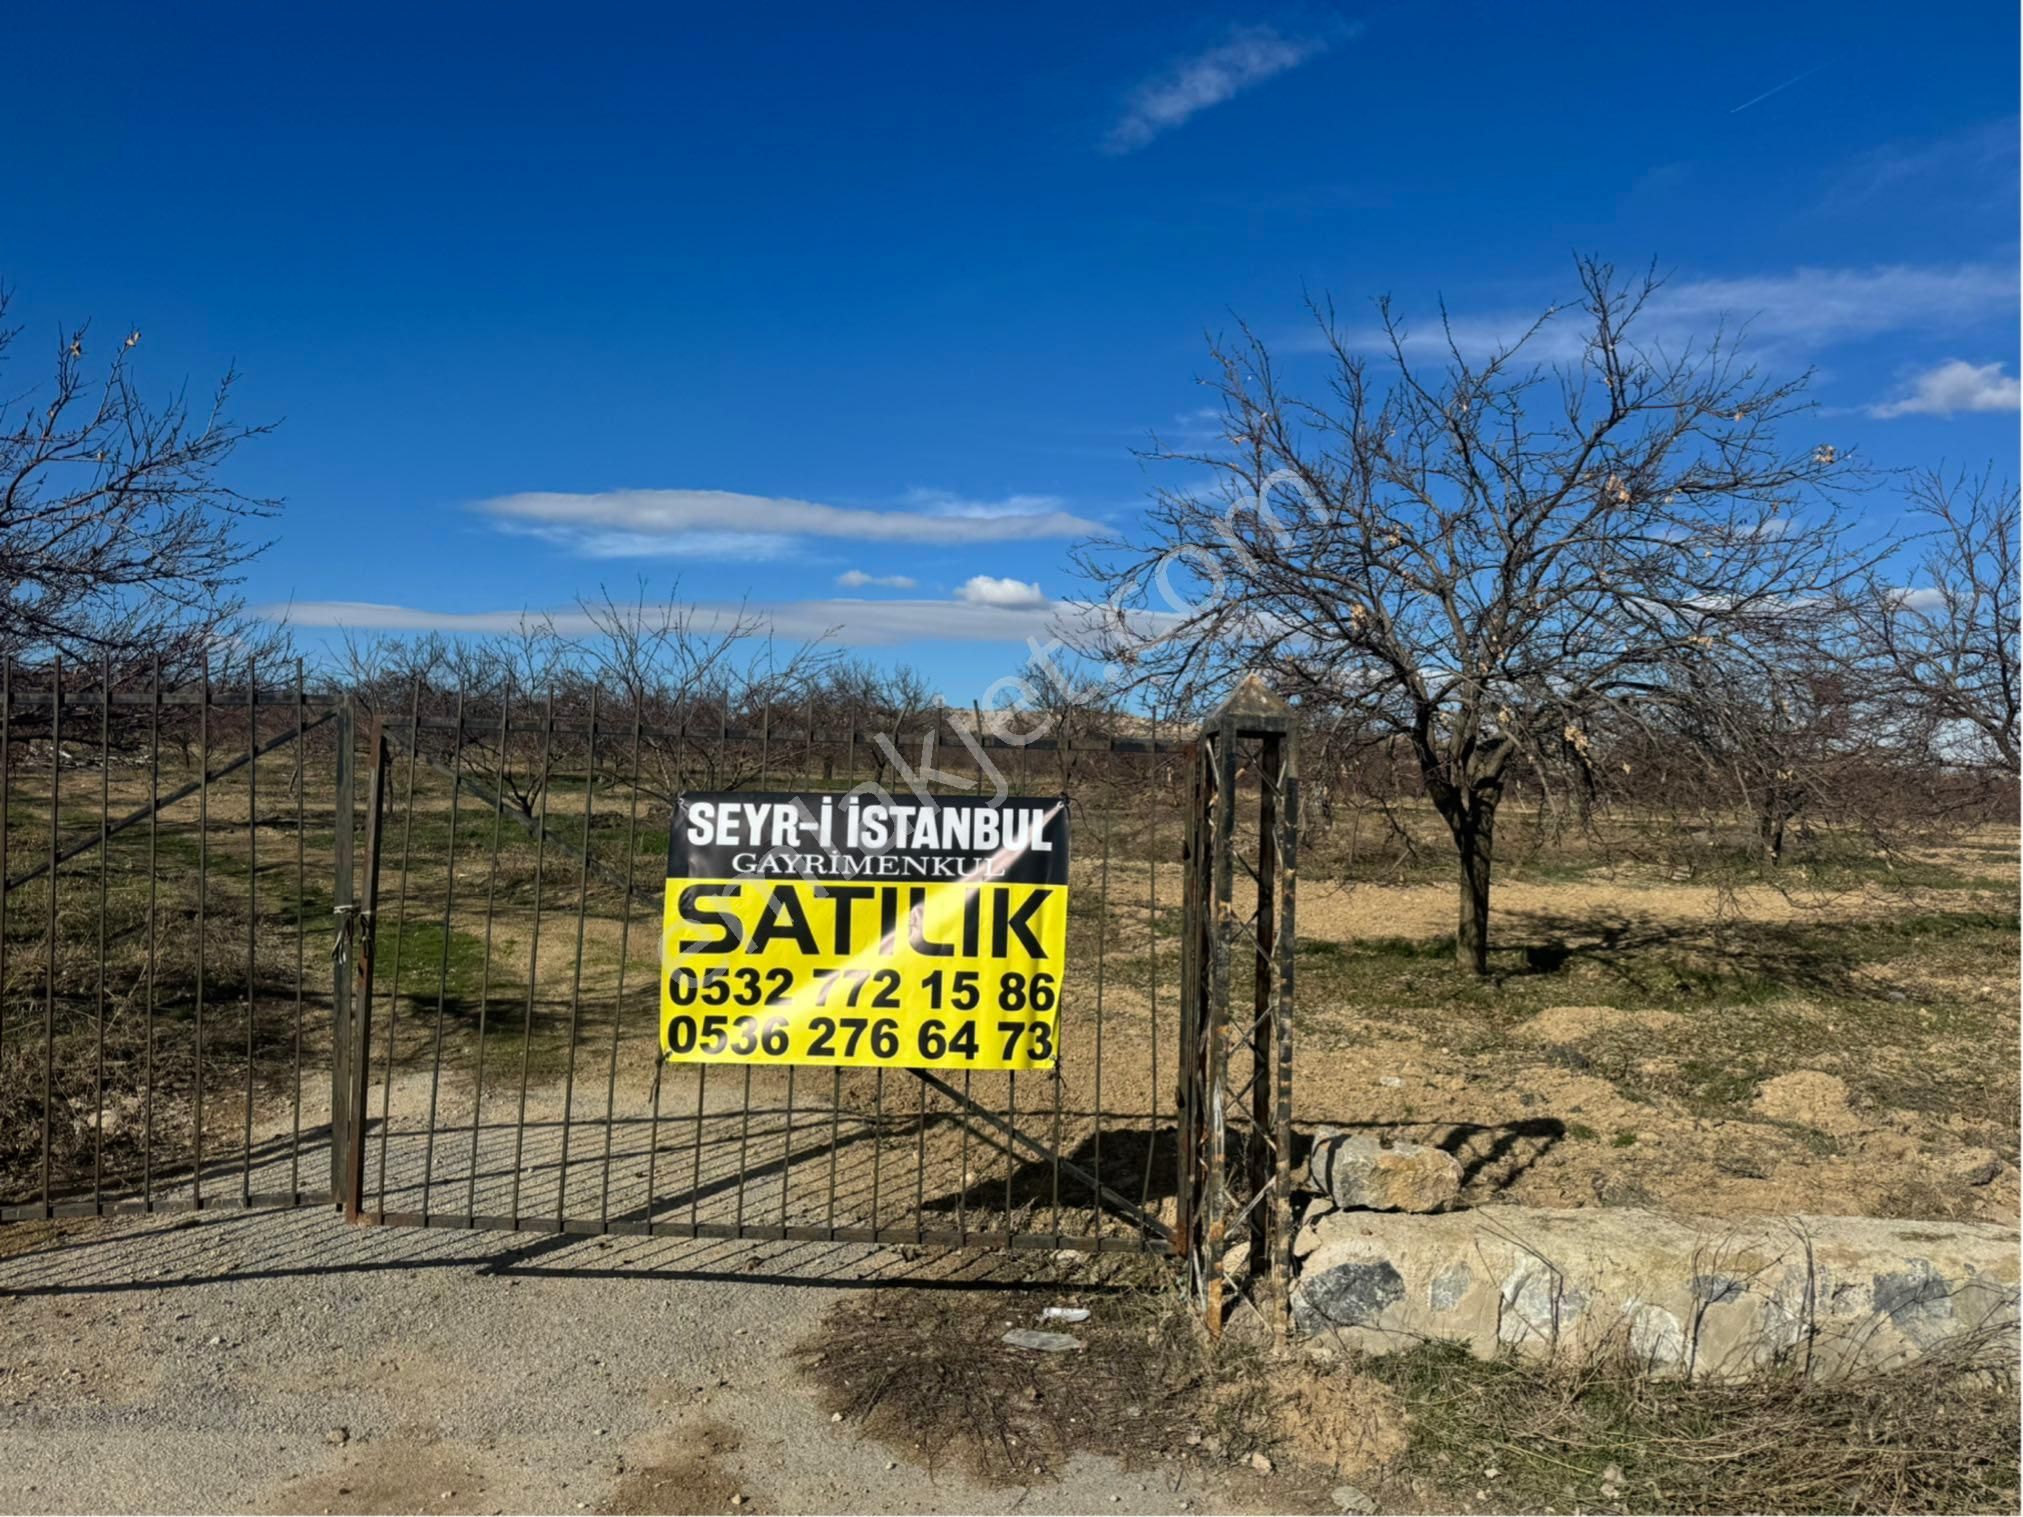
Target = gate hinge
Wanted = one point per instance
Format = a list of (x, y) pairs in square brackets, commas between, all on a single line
[(347, 922)]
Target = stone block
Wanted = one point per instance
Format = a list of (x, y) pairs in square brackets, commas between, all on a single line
[(1355, 1171)]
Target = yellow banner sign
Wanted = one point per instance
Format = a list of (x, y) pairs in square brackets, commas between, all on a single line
[(791, 939)]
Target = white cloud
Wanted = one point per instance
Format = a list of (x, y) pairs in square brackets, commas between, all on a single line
[(1926, 599), (1252, 55), (1808, 308), (1952, 387), (713, 523), (857, 579), (967, 508), (847, 622), (1979, 160), (740, 547), (378, 616), (1830, 305), (989, 590)]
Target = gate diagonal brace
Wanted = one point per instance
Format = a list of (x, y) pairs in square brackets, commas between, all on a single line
[(155, 808), (1039, 1150)]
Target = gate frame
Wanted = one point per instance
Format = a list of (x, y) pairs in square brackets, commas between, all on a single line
[(352, 958), (1249, 739), (1250, 736)]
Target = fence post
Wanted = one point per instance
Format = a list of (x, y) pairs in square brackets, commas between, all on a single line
[(346, 807), (1236, 1138), (358, 1040)]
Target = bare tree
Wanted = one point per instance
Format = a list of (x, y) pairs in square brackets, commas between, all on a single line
[(855, 696), (857, 693), (1785, 737), (693, 671), (120, 541), (1067, 709), (1484, 557), (1945, 649), (382, 669), (677, 673)]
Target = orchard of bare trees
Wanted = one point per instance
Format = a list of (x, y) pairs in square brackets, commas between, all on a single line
[(1605, 578)]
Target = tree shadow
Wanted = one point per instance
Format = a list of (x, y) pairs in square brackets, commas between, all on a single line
[(1665, 959)]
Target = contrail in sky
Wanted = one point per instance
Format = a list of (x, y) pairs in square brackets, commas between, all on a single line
[(1776, 88)]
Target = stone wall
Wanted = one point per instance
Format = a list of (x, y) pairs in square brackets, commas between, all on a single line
[(1700, 1296)]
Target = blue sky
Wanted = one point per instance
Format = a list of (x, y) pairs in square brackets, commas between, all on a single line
[(790, 304)]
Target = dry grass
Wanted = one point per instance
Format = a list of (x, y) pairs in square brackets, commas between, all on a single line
[(119, 1046), (1935, 1435), (927, 1373)]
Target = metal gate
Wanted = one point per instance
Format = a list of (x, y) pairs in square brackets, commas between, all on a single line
[(498, 1029), (481, 874)]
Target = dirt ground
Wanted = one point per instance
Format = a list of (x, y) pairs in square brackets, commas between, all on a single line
[(291, 1363), (1650, 1043)]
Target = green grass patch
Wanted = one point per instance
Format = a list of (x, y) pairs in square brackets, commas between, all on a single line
[(425, 964)]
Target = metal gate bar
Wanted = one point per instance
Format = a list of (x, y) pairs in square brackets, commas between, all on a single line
[(536, 829)]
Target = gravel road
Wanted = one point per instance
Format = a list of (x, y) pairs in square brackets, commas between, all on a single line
[(290, 1362)]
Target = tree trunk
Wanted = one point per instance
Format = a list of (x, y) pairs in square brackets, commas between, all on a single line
[(1773, 816), (1772, 828), (1469, 809), (1473, 830)]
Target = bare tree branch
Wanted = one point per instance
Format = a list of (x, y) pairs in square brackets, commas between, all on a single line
[(119, 538)]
